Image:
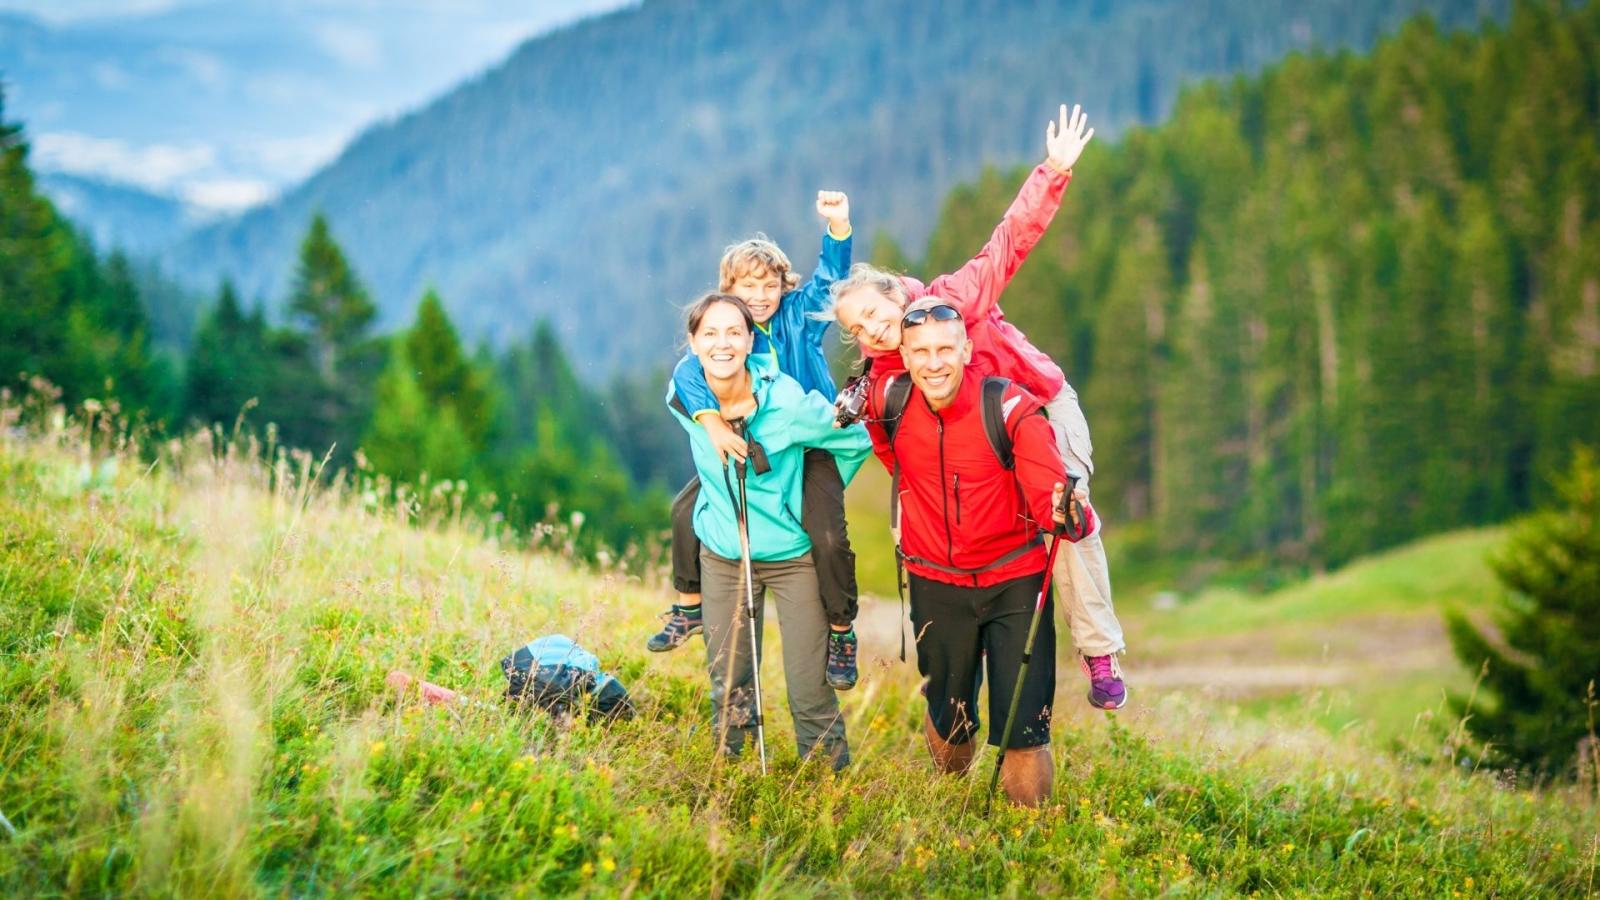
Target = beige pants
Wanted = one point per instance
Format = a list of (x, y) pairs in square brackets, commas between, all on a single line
[(1082, 578)]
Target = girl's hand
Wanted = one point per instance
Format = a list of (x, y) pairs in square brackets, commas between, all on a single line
[(723, 438), (835, 207), (1063, 145)]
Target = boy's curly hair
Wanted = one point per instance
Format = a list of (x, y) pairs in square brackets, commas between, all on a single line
[(759, 256)]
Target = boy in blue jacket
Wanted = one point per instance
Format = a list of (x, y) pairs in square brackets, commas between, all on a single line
[(759, 273)]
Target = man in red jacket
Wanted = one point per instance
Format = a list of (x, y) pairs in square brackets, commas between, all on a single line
[(969, 528)]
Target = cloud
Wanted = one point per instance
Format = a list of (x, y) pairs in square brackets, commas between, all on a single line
[(110, 76), (355, 48), (153, 166), (205, 68), (289, 158), (226, 194)]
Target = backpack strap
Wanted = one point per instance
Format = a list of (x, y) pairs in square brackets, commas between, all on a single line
[(994, 420), (895, 394)]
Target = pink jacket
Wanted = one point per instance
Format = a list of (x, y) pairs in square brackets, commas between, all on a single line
[(998, 348)]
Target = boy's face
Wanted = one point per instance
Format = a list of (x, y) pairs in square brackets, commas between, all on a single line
[(762, 291)]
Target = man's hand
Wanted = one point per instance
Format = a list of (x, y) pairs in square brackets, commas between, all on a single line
[(1056, 504), (1064, 144), (723, 438), (835, 207)]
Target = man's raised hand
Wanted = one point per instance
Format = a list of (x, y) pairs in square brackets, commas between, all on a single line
[(835, 207), (1064, 141)]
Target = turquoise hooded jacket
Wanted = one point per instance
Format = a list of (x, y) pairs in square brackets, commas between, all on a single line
[(787, 420)]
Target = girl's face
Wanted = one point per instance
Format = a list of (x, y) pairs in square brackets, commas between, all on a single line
[(869, 317), (722, 342)]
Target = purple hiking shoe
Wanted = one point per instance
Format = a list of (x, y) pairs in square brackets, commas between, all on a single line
[(1106, 690)]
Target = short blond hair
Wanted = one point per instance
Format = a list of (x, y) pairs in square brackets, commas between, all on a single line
[(756, 256)]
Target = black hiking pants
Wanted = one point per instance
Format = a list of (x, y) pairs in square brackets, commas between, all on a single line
[(822, 515)]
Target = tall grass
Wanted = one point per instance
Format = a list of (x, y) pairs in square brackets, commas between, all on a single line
[(193, 644)]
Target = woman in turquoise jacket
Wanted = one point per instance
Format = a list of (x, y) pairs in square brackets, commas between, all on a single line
[(784, 420)]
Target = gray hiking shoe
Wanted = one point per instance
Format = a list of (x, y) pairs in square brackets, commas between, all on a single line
[(682, 624)]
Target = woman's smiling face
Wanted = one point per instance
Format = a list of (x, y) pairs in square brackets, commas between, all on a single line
[(722, 340)]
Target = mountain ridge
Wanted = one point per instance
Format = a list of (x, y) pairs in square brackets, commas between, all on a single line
[(664, 152)]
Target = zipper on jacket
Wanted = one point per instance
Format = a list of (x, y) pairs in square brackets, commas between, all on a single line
[(957, 491), (949, 542)]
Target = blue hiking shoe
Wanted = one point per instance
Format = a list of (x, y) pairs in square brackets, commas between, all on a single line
[(841, 672)]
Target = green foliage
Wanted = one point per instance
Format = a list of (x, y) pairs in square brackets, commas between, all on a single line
[(1541, 670), (444, 374), (411, 433), (327, 299), (1333, 307), (70, 317)]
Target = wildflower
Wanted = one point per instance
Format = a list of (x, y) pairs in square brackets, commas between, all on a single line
[(609, 864), (1288, 848), (361, 839), (377, 747), (588, 869), (477, 806)]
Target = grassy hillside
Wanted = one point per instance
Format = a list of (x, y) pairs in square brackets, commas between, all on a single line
[(192, 657)]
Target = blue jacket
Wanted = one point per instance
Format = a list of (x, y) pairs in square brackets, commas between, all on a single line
[(787, 420), (792, 336)]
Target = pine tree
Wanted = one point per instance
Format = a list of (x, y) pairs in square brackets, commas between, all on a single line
[(410, 436), (229, 364), (446, 377), (328, 301), (1547, 659)]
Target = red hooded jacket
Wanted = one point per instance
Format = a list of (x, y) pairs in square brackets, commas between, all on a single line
[(960, 509), (998, 348)]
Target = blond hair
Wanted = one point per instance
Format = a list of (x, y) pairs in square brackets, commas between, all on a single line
[(863, 275), (756, 256)]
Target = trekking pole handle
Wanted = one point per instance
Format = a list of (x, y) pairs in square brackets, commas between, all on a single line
[(1069, 506)]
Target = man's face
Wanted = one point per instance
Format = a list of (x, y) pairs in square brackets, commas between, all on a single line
[(935, 353), (762, 291)]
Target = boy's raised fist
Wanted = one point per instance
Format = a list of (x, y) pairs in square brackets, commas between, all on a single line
[(835, 207)]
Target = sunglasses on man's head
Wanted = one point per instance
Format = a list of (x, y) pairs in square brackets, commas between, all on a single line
[(940, 313)]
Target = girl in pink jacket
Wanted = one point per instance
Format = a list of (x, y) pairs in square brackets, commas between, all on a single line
[(869, 303)]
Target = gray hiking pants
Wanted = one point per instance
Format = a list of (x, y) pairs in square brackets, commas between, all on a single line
[(818, 723), (1082, 578)]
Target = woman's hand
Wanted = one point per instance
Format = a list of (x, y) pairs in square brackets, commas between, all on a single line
[(1063, 145), (835, 207), (723, 438)]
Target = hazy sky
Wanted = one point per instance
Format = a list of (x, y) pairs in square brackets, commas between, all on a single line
[(224, 102)]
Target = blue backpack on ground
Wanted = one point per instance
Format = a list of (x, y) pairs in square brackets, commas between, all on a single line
[(558, 676)]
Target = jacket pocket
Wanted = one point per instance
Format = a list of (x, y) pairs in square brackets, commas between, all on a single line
[(956, 489)]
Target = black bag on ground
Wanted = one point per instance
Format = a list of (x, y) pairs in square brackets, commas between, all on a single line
[(558, 676)]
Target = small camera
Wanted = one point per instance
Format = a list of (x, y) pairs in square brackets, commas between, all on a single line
[(851, 403)]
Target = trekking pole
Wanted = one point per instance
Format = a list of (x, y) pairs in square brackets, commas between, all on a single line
[(1033, 631), (750, 610)]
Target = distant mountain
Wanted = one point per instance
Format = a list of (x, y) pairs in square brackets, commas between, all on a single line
[(224, 102), (594, 177), (118, 215)]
